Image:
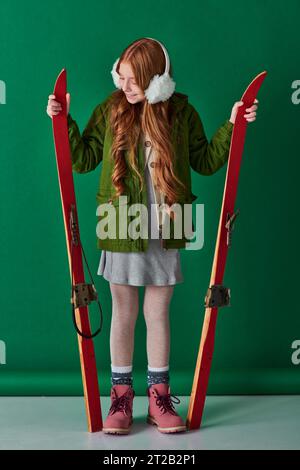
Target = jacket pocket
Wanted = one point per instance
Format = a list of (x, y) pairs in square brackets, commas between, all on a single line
[(116, 221), (188, 198), (103, 197), (192, 197)]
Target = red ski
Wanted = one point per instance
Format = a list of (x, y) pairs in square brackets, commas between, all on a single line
[(217, 294), (81, 293)]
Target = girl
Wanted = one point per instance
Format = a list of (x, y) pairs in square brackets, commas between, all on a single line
[(148, 137)]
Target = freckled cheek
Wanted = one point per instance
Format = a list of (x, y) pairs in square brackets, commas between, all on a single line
[(138, 91)]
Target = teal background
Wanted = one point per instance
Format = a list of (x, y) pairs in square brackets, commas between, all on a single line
[(216, 49)]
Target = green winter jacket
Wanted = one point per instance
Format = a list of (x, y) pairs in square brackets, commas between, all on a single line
[(191, 150)]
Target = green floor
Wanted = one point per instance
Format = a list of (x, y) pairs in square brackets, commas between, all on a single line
[(231, 422)]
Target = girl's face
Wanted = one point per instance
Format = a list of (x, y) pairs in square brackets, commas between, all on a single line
[(133, 93)]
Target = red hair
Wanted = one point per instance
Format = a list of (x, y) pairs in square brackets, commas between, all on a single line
[(127, 121)]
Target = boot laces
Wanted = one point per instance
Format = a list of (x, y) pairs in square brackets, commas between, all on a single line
[(165, 403), (121, 403)]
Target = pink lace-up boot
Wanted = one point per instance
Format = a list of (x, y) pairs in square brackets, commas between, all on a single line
[(161, 411), (119, 419)]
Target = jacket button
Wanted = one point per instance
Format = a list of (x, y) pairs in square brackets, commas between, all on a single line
[(152, 164), (147, 143)]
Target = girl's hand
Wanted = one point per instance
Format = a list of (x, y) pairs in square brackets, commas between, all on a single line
[(54, 107), (250, 115)]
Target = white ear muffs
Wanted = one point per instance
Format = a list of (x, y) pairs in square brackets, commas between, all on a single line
[(160, 88), (115, 74)]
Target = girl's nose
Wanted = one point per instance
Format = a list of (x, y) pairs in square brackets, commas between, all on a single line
[(126, 88)]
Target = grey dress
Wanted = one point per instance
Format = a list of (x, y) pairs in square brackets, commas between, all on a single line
[(155, 266)]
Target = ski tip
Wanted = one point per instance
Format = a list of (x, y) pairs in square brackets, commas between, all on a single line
[(60, 83), (62, 72), (260, 76), (253, 88), (263, 73)]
